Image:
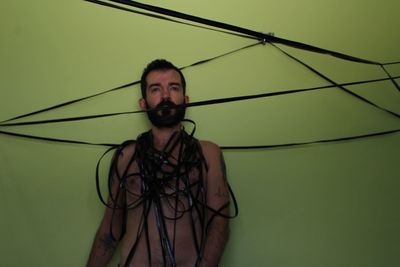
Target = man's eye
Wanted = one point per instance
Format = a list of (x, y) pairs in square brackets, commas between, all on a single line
[(175, 88), (154, 89)]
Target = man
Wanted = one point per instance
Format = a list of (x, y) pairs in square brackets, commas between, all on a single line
[(169, 197)]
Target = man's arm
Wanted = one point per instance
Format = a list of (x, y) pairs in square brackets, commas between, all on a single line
[(217, 199), (104, 244)]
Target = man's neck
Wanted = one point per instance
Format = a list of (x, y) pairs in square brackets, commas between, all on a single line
[(162, 135)]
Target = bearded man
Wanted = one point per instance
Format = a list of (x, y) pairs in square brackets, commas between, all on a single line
[(169, 195)]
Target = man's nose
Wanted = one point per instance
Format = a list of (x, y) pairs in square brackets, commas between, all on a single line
[(165, 93)]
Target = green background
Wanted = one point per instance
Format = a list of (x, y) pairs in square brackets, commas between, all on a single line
[(332, 204)]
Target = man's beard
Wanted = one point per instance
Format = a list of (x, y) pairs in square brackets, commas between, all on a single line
[(166, 114)]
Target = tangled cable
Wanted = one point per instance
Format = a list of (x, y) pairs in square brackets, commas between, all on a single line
[(165, 185)]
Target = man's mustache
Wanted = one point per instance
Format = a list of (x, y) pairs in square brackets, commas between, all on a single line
[(167, 105)]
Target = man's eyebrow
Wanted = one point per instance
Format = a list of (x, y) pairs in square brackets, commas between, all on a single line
[(154, 84), (169, 84), (174, 83)]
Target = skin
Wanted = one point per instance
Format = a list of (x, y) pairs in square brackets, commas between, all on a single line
[(161, 85)]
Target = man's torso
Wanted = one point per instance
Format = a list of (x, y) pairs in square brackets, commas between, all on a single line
[(165, 221)]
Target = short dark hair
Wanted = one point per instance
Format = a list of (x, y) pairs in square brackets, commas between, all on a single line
[(159, 64)]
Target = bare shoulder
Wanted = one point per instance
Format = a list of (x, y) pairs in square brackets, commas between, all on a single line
[(212, 154), (217, 186), (210, 149), (124, 153), (127, 149)]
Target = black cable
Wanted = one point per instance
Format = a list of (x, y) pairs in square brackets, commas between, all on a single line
[(70, 102), (265, 38), (391, 77), (287, 145), (165, 18), (55, 140), (64, 104), (206, 102), (391, 63), (236, 29), (157, 172), (200, 103), (223, 147), (326, 78)]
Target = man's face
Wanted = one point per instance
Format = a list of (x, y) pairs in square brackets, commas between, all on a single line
[(164, 90)]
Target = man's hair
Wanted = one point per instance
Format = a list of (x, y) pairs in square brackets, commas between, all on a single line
[(159, 64)]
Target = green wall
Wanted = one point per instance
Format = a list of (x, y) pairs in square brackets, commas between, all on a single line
[(331, 204)]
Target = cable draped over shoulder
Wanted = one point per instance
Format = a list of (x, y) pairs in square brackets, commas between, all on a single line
[(170, 185)]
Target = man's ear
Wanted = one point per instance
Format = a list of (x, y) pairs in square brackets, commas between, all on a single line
[(142, 104), (186, 99)]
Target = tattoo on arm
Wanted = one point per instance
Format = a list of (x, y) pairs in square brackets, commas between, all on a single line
[(107, 244), (221, 192)]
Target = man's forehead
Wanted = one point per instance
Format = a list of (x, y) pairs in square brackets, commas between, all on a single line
[(164, 75)]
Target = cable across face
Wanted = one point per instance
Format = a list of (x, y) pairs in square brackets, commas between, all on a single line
[(166, 114)]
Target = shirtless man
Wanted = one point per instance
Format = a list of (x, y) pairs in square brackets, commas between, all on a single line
[(169, 200)]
